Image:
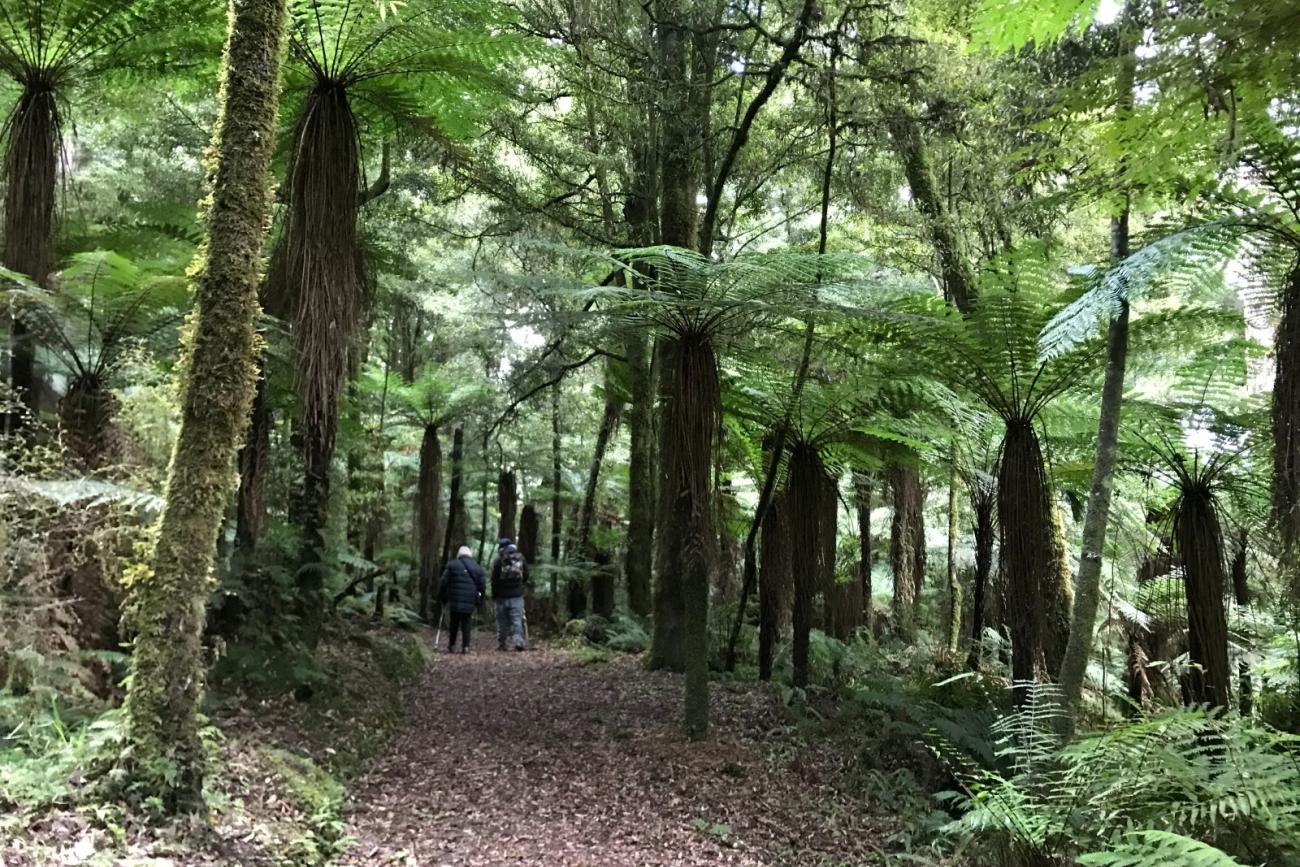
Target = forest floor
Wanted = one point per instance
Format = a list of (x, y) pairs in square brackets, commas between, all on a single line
[(569, 758)]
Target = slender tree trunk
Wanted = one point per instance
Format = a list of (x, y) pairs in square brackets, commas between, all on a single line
[(1058, 594), (557, 497), (776, 452), (640, 512), (1241, 593), (953, 634), (254, 465), (608, 426), (1087, 589), (983, 503), (429, 496), (774, 581), (167, 602), (31, 165), (456, 523), (906, 546), (862, 494)]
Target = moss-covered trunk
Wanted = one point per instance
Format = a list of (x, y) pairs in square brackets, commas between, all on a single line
[(1058, 596), (167, 601)]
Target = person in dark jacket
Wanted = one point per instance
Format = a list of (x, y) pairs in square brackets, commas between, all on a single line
[(509, 577), (461, 591)]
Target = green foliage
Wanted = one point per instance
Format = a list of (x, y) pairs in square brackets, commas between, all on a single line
[(1185, 785)]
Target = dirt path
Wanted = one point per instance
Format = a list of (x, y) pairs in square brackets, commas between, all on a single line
[(542, 758)]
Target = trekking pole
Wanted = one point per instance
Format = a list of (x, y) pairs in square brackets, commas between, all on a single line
[(438, 634)]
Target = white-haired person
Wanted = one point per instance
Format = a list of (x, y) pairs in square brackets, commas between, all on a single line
[(461, 591)]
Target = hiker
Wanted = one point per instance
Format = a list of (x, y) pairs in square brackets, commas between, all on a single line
[(461, 591), (509, 575)]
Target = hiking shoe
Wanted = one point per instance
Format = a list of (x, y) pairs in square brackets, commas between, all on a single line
[(501, 646), (519, 647), (464, 650)]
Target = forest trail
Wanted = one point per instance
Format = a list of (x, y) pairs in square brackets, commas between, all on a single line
[(548, 758)]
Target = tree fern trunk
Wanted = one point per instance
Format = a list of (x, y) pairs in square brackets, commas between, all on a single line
[(507, 505), (1286, 432), (31, 164), (456, 523), (167, 604), (805, 500), (1025, 520)]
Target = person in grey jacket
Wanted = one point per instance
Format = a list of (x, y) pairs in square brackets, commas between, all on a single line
[(461, 591), (509, 581)]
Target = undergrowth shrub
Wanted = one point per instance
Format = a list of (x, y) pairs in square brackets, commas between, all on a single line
[(1187, 787)]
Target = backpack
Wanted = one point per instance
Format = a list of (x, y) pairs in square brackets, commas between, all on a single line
[(512, 570)]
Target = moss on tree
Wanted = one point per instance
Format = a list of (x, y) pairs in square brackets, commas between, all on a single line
[(164, 756)]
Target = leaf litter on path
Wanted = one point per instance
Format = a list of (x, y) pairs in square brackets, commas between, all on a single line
[(535, 758)]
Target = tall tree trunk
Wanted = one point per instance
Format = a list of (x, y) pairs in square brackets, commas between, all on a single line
[(1025, 520), (906, 546), (1199, 540), (862, 495), (688, 545), (31, 166), (590, 495), (805, 499), (429, 495), (1096, 519), (456, 523), (1286, 432), (167, 602), (639, 562), (953, 632), (1241, 594), (507, 504), (530, 528), (774, 581), (254, 465), (557, 496), (983, 504), (1058, 595)]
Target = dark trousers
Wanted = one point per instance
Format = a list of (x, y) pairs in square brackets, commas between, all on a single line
[(459, 622)]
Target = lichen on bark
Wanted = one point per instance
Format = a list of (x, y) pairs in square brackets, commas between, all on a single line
[(164, 756)]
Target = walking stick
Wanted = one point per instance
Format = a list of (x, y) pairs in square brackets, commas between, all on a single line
[(438, 634)]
